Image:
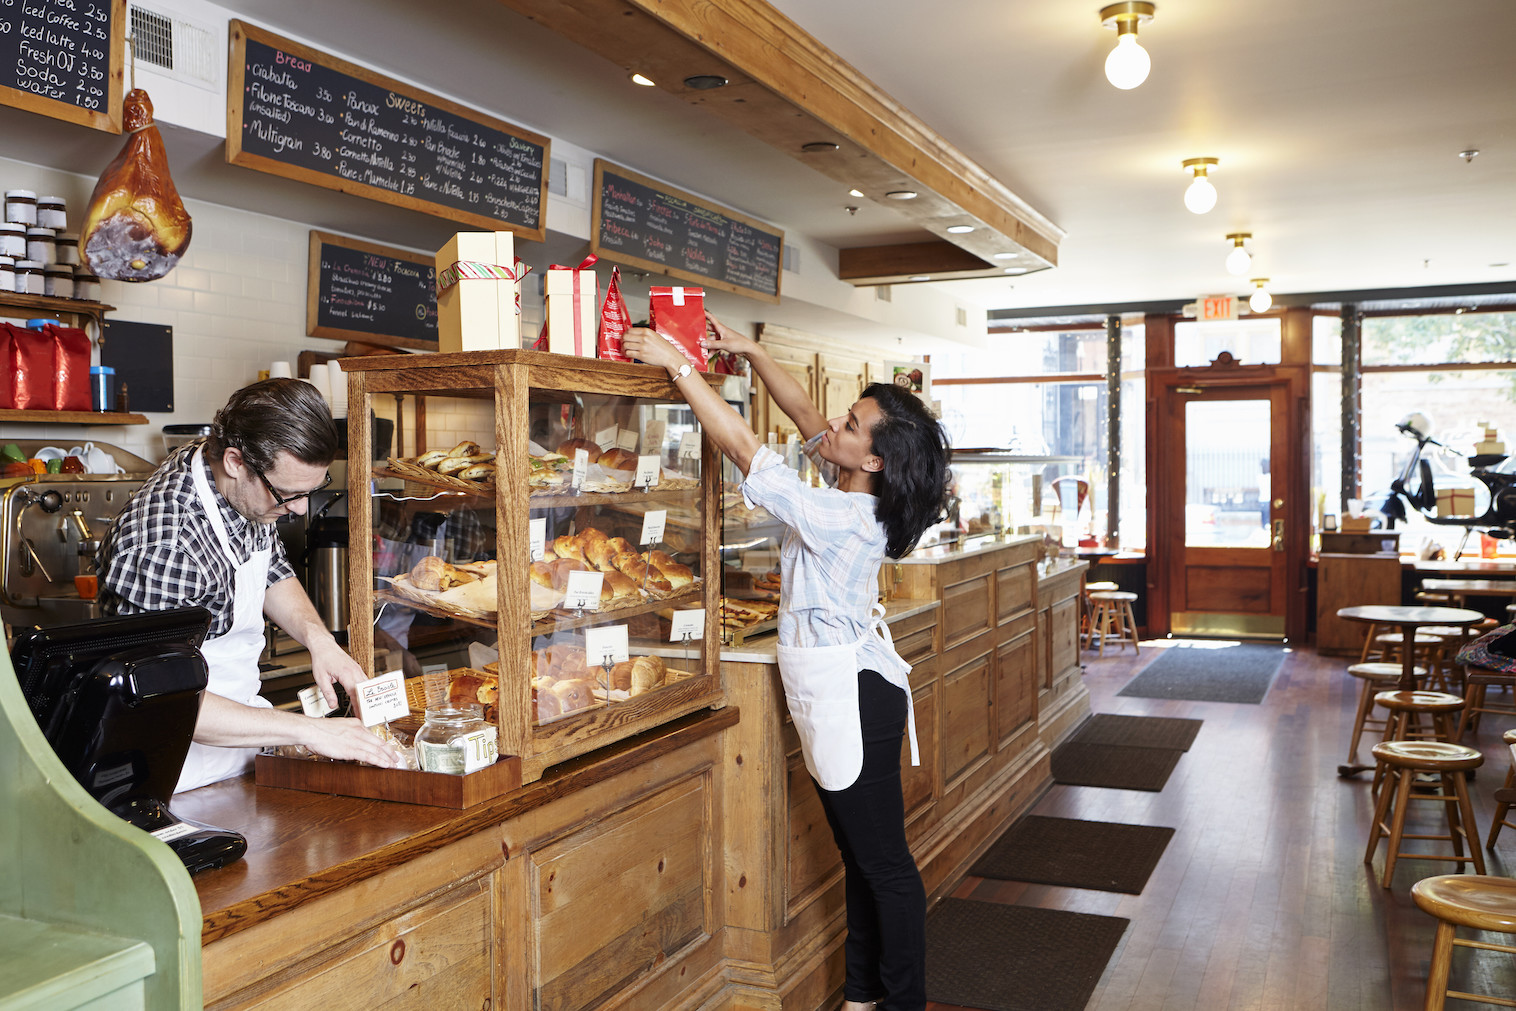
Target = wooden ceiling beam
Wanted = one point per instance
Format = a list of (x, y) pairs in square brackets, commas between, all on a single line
[(912, 261), (788, 90)]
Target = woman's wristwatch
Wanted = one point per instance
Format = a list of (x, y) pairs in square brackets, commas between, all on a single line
[(684, 370)]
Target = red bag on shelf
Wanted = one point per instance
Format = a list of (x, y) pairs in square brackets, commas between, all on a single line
[(615, 320), (27, 380), (679, 314), (70, 367)]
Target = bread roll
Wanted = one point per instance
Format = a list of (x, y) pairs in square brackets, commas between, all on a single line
[(567, 547), (621, 544), (541, 573), (549, 706), (427, 573), (647, 673), (568, 448), (454, 464), (575, 693), (589, 535), (645, 576), (618, 459), (478, 472), (431, 459), (679, 576), (471, 687), (660, 558), (561, 569), (601, 554), (621, 586), (467, 447)]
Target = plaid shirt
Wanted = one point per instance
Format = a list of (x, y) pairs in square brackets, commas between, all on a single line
[(829, 559), (163, 552)]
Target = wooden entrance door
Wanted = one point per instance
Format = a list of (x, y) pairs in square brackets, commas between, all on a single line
[(1230, 503)]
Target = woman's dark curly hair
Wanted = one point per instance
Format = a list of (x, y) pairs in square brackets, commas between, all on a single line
[(913, 485), (273, 415)]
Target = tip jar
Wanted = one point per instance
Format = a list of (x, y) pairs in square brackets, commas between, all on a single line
[(455, 740)]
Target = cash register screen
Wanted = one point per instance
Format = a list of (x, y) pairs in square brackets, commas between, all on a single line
[(46, 659)]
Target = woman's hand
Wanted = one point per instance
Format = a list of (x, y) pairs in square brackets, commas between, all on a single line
[(727, 339), (648, 345)]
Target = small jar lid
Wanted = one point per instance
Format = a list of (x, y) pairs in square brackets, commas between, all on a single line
[(101, 370), (50, 200), (8, 263), (29, 265), (13, 226), (20, 195), (41, 230)]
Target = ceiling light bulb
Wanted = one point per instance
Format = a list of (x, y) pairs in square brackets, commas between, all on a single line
[(1128, 64), (1239, 259), (1261, 299), (643, 81)]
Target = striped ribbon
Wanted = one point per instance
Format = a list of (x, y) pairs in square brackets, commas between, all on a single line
[(463, 270)]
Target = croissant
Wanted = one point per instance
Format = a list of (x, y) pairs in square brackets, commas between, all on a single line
[(647, 673), (136, 227), (621, 676), (432, 573)]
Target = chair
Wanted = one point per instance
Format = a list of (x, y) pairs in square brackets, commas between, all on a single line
[(1505, 797), (1403, 760), (1464, 900), (1113, 618)]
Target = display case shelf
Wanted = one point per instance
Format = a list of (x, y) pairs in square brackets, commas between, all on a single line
[(73, 417)]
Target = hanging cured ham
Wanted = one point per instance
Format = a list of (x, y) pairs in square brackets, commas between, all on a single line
[(136, 227)]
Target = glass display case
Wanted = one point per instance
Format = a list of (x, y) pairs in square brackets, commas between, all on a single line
[(998, 493), (554, 527)]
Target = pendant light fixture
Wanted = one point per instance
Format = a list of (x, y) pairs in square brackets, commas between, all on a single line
[(1128, 64), (1239, 259), (1200, 197), (1261, 300)]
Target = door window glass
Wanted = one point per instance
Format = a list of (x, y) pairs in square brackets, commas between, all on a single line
[(1226, 466)]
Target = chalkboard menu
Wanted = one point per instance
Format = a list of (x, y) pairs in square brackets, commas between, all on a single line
[(362, 291), (303, 114), (640, 221), (62, 58)]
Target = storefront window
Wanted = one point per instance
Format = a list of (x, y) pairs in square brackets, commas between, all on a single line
[(1250, 341), (1468, 338)]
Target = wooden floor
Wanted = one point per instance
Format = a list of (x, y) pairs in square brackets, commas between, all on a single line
[(1262, 899)]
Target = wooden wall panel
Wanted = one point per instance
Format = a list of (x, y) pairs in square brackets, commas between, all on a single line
[(965, 719)]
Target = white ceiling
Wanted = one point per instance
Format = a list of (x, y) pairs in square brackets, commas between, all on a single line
[(1337, 123)]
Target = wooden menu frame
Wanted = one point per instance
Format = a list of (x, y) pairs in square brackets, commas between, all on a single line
[(313, 291)]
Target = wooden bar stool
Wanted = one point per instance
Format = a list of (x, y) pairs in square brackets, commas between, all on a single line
[(1375, 678), (1404, 760), (1505, 797), (1477, 681), (1388, 646), (1404, 720), (1113, 618), (1464, 900), (1087, 609)]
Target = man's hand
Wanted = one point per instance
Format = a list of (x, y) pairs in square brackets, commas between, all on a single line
[(330, 663), (650, 346), (339, 737)]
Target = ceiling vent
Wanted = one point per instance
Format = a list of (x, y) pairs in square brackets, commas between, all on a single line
[(792, 258), (557, 177), (963, 316), (182, 50), (882, 293)]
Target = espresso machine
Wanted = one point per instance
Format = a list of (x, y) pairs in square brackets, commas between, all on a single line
[(50, 528)]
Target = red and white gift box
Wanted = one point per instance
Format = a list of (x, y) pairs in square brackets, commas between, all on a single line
[(573, 304), (679, 314), (478, 304)]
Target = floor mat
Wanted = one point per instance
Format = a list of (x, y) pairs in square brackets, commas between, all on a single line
[(1016, 958), (1209, 672), (1111, 765), (1101, 855), (1138, 731)]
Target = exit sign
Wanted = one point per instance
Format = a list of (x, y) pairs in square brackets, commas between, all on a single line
[(1218, 307)]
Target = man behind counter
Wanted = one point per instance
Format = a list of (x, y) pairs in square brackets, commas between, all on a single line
[(201, 531)]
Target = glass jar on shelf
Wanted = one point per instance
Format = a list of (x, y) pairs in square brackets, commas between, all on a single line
[(455, 740)]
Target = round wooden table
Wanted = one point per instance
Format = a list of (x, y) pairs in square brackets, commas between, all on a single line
[(1407, 620)]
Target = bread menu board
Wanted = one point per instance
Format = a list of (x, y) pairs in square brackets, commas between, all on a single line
[(648, 224), (362, 291), (297, 112), (62, 58)]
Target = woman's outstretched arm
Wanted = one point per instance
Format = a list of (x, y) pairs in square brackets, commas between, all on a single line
[(721, 423), (788, 395)]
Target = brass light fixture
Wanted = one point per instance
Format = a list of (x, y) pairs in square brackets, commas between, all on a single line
[(1128, 64), (1239, 259), (1261, 300), (1200, 197)]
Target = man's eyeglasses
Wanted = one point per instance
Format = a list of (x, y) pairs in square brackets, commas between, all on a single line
[(285, 500)]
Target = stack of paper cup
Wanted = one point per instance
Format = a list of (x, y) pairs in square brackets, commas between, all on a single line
[(339, 390), (279, 370), (321, 380)]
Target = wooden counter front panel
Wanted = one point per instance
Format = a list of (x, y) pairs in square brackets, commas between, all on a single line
[(811, 859), (1063, 639), (965, 610), (1013, 590), (618, 899), (919, 783), (1015, 685), (966, 714)]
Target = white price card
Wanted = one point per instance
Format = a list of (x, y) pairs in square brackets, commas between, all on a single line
[(687, 626), (178, 830), (606, 644), (649, 469), (480, 749), (606, 437), (653, 522), (537, 538), (689, 446), (313, 703), (627, 439), (652, 435), (381, 699), (583, 591), (581, 467)]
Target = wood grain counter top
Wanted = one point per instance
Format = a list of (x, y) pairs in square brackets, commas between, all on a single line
[(304, 845)]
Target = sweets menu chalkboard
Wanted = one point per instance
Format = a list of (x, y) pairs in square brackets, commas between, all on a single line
[(62, 58), (362, 291), (297, 112), (640, 221)]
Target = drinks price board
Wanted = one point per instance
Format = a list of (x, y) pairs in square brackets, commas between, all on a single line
[(62, 58)]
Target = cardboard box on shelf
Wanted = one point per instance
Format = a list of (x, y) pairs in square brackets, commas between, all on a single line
[(477, 308), (1357, 524), (573, 296), (1455, 502)]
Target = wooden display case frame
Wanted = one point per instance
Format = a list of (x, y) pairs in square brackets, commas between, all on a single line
[(516, 380)]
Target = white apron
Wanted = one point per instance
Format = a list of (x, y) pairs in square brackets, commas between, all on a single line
[(233, 656), (821, 688)]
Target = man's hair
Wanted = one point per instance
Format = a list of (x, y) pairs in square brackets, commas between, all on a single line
[(911, 489), (271, 416)]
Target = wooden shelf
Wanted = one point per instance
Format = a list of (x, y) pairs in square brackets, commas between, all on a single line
[(560, 620), (49, 303), (74, 417)]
